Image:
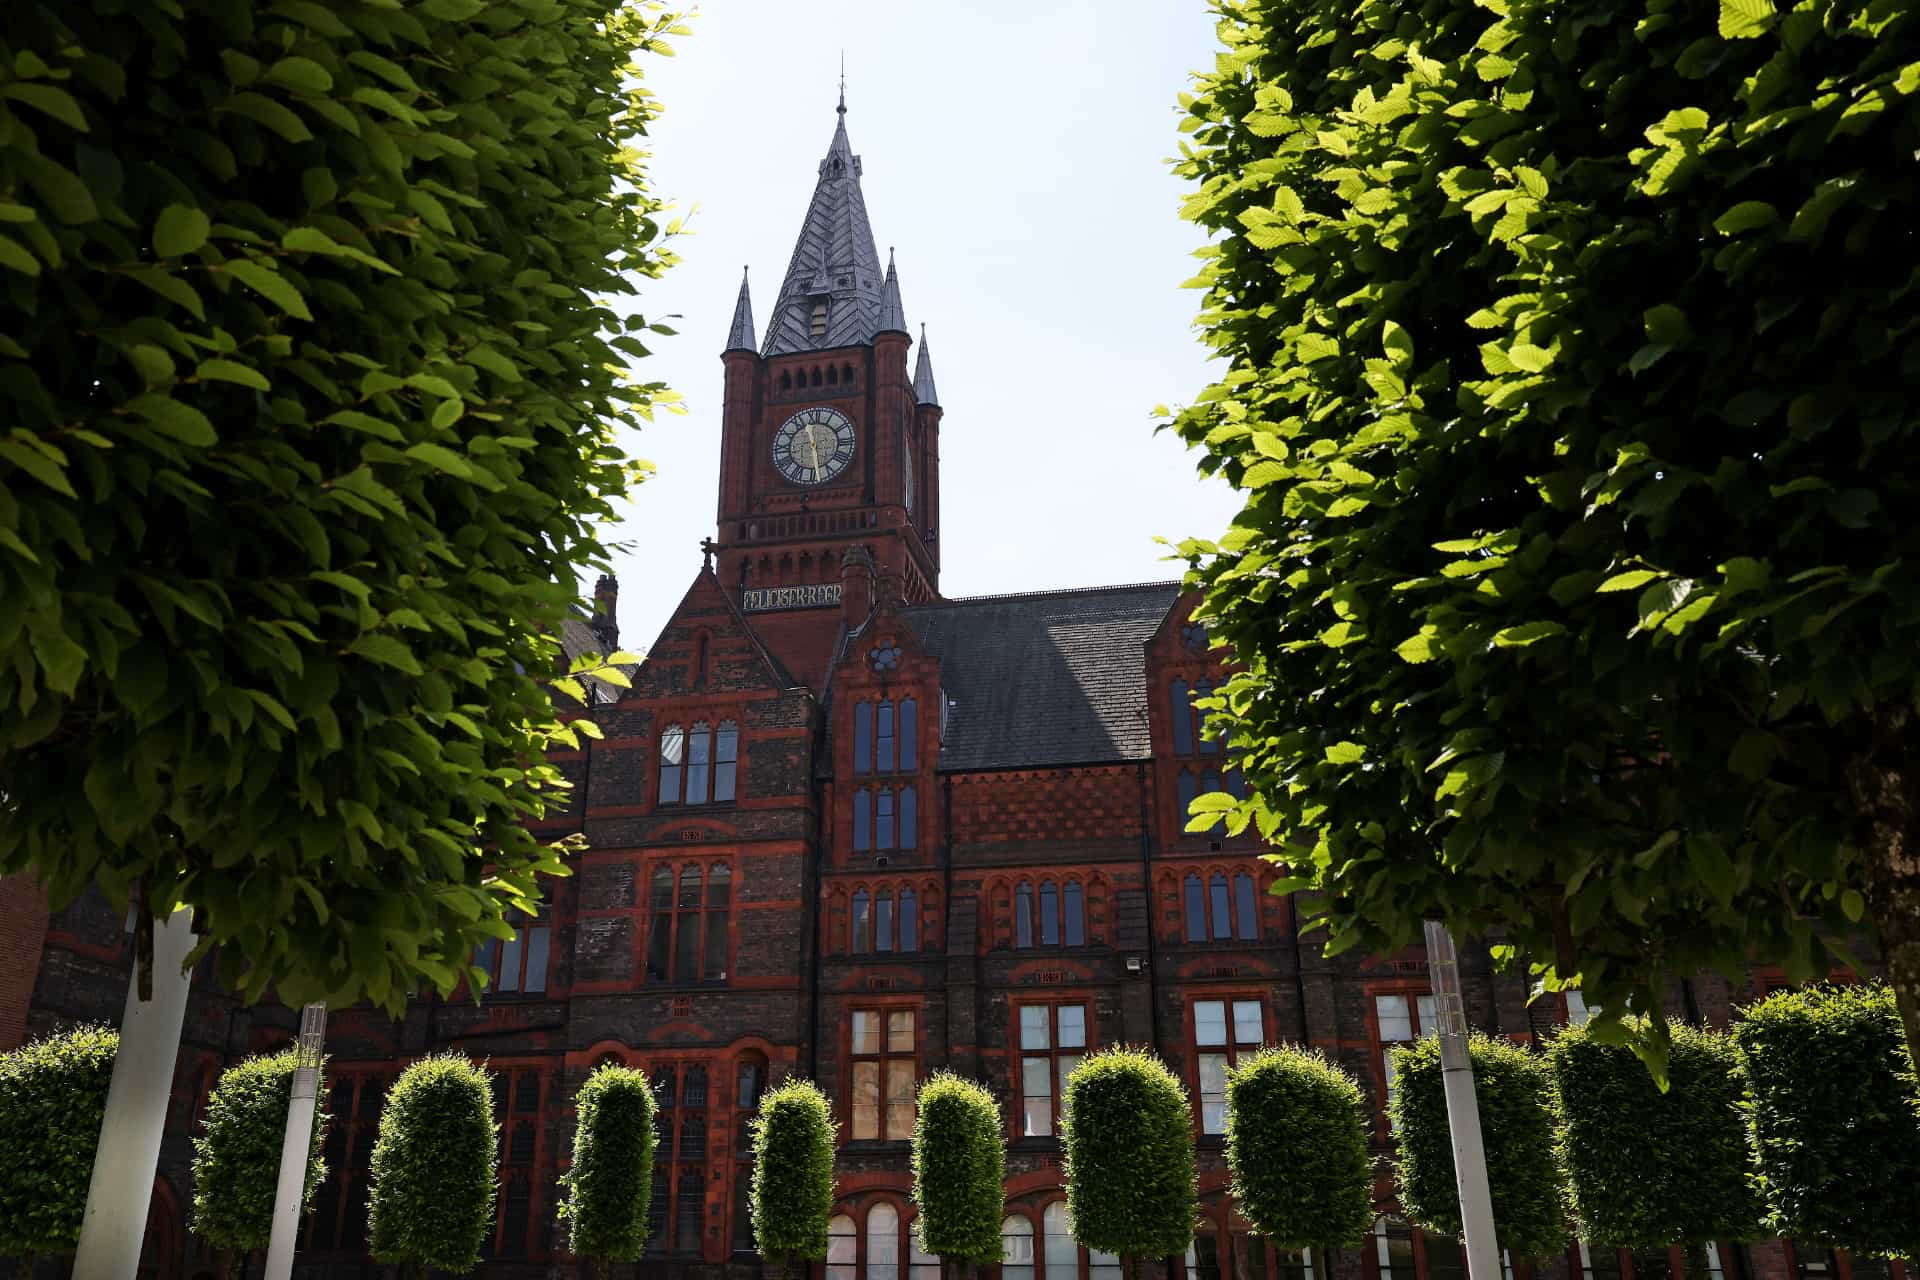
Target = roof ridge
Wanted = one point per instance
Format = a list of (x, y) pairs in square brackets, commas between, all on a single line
[(1052, 591)]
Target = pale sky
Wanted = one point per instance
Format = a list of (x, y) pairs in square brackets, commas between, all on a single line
[(1015, 159)]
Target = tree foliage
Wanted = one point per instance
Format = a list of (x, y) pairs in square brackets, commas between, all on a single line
[(1297, 1148), (959, 1168), (236, 1156), (311, 335), (1516, 1122), (53, 1097), (1833, 1110), (1126, 1142), (792, 1194), (1646, 1167), (435, 1166), (1573, 584), (604, 1193)]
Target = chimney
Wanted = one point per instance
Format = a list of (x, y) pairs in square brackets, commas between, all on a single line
[(856, 587), (606, 621)]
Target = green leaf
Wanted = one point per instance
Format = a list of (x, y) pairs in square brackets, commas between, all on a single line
[(300, 73), (442, 459), (1748, 215), (57, 185), (174, 419), (1346, 753), (180, 230), (271, 285), (1528, 633), (232, 371), (274, 115), (46, 98), (1629, 580), (388, 651), (1745, 19)]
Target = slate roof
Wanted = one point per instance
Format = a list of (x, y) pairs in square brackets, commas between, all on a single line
[(833, 259), (1047, 678)]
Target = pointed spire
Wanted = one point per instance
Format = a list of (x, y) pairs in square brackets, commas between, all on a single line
[(830, 295), (893, 317), (740, 337), (923, 392)]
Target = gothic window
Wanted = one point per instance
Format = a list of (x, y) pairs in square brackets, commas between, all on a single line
[(1063, 1259), (519, 965), (1023, 915), (1053, 1038), (909, 817), (1073, 914), (815, 379), (786, 380), (1052, 916), (1182, 719), (1246, 909), (687, 926), (883, 738), (673, 754), (883, 1242), (863, 737), (680, 1159), (884, 921), (862, 922), (843, 1249), (1016, 1248), (517, 1207), (1219, 909), (882, 1048), (885, 819), (1196, 907), (699, 749), (726, 761), (833, 376), (862, 819), (846, 374), (909, 724), (907, 921), (1223, 1030), (885, 735)]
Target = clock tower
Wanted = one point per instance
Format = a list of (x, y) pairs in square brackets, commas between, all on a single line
[(829, 443)]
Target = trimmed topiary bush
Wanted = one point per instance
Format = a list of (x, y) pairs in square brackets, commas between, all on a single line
[(959, 1168), (1126, 1137), (1516, 1122), (1833, 1116), (604, 1193), (1297, 1147), (236, 1157), (53, 1096), (435, 1167), (792, 1194), (1646, 1169)]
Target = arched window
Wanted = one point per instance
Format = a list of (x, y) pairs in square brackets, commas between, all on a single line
[(821, 311), (922, 1265), (1023, 915), (1202, 689), (833, 376), (713, 965), (1075, 915), (909, 921), (1049, 915), (1061, 1256), (883, 819), (884, 737), (786, 381), (1016, 1248), (1196, 902), (1246, 909), (686, 950), (883, 920), (726, 761), (846, 373), (1222, 917), (862, 820), (660, 929), (1187, 789), (909, 731), (862, 923), (909, 817), (1182, 707), (863, 737), (843, 1248), (699, 756), (673, 753), (514, 1215), (883, 1242)]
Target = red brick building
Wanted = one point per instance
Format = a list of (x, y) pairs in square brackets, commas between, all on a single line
[(847, 828)]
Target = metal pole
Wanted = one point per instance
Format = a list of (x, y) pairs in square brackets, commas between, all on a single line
[(1463, 1108), (298, 1142), (121, 1189)]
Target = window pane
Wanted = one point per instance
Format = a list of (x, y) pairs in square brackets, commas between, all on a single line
[(714, 965), (1203, 689), (1064, 1067), (866, 1100), (1074, 933), (1062, 1253), (510, 963), (662, 887), (883, 1243), (863, 737), (909, 728), (686, 942), (726, 752), (1188, 791), (1247, 1028), (909, 817), (1023, 915), (1196, 910), (1182, 719), (1246, 908), (1429, 1022), (1213, 1093), (843, 1249), (866, 1031), (1249, 1257), (1577, 1011), (883, 921), (862, 820), (1396, 1021), (1016, 1249), (1033, 1027), (899, 1099), (537, 943), (659, 946), (1445, 1260), (486, 957), (1654, 1264), (921, 1264), (673, 750), (883, 761), (909, 921), (1036, 1090), (1703, 1263), (1102, 1266), (1210, 1022), (900, 1031), (883, 819), (699, 747), (1206, 1258), (862, 925), (1049, 915), (1073, 1026), (1393, 1239), (1222, 922)]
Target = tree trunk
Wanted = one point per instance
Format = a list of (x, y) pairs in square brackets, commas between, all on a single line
[(1885, 782)]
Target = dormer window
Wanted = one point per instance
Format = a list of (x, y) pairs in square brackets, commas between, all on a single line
[(817, 326)]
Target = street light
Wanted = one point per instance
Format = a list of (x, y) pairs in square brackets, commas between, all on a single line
[(1463, 1107), (296, 1145)]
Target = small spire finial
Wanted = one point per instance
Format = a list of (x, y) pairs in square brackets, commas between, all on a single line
[(842, 108)]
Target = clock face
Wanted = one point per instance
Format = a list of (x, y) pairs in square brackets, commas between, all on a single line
[(813, 446)]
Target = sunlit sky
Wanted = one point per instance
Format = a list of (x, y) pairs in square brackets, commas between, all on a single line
[(1015, 160)]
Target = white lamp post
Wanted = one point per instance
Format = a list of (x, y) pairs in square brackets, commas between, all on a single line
[(1463, 1107), (297, 1144)]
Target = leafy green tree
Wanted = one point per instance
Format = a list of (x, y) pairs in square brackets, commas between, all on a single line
[(792, 1193), (1647, 1167), (1516, 1122), (236, 1157), (1297, 1149), (1572, 589), (604, 1193), (53, 1097), (959, 1171), (1126, 1142), (435, 1166), (312, 322), (1833, 1113)]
